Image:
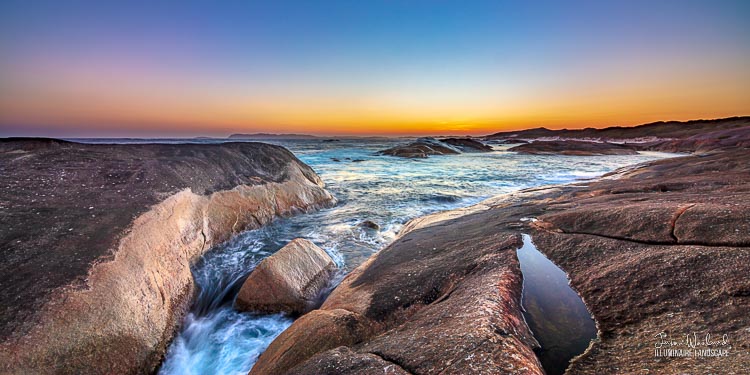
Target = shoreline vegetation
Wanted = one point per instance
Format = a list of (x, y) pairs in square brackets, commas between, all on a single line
[(98, 276)]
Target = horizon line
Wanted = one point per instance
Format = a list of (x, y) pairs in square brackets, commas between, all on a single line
[(271, 133)]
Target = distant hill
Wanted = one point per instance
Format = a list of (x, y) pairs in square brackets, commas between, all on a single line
[(271, 136), (661, 129)]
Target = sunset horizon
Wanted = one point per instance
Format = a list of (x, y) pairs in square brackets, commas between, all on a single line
[(212, 131), (381, 68)]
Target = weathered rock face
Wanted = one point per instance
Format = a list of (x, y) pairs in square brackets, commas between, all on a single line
[(662, 248), (467, 144), (427, 303), (290, 281), (687, 274), (575, 148), (422, 148), (717, 140), (101, 238)]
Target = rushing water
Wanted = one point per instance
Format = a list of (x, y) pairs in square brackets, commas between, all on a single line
[(214, 339), (557, 316)]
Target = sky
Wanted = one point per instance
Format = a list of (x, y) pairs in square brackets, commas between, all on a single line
[(212, 68)]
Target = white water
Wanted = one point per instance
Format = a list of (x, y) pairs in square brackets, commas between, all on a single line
[(214, 339)]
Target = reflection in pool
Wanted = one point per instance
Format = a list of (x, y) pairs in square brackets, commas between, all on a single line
[(555, 313)]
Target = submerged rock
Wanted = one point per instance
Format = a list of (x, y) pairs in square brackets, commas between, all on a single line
[(369, 224), (289, 281)]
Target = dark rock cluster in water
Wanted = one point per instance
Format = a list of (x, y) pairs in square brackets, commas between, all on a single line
[(424, 147)]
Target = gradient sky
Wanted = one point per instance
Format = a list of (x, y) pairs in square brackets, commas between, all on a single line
[(130, 68)]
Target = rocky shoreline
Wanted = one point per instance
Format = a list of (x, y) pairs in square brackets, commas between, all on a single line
[(658, 250), (97, 271)]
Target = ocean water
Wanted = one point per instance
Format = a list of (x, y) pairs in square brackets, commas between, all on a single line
[(215, 339)]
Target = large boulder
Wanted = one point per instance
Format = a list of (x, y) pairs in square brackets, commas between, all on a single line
[(290, 281)]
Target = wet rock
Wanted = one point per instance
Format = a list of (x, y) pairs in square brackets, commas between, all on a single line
[(369, 224), (289, 281), (467, 144), (428, 304), (314, 332), (575, 148), (105, 295), (507, 141), (422, 148), (343, 360)]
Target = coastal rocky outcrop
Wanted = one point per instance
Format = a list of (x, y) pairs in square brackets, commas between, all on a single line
[(657, 252), (662, 130), (289, 281), (574, 148), (98, 240), (467, 144), (421, 148), (704, 142), (691, 136)]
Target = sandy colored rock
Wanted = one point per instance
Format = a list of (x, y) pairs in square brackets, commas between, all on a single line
[(291, 280), (314, 332), (347, 361), (97, 256)]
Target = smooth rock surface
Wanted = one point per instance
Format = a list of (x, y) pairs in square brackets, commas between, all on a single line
[(100, 239), (290, 281), (425, 304)]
